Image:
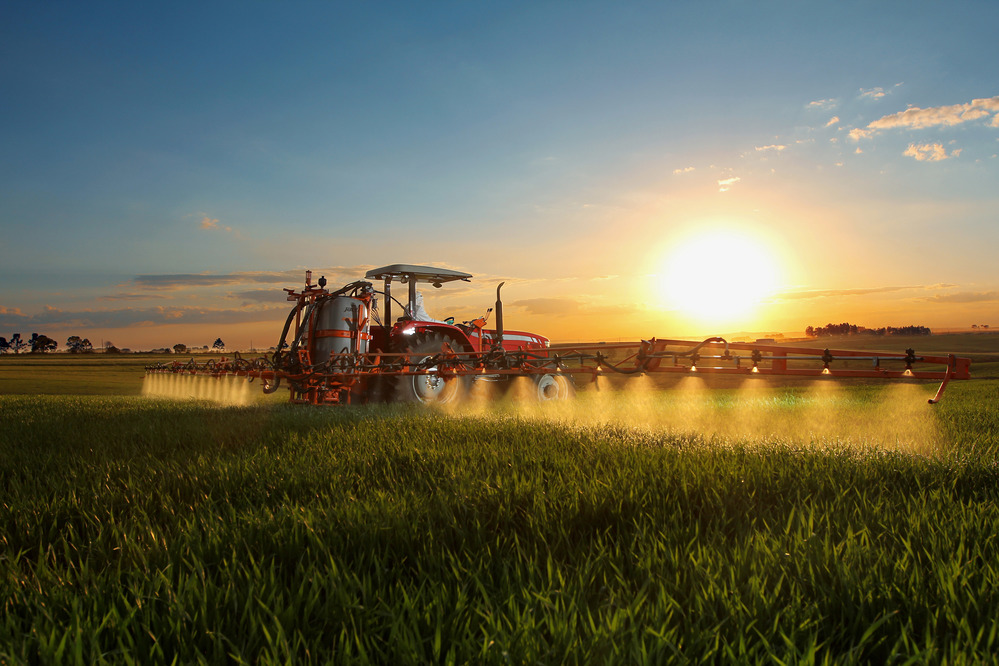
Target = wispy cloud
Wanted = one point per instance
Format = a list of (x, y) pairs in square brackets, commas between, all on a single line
[(872, 93), (832, 121), (260, 296), (6, 312), (804, 294), (823, 104), (726, 183), (189, 280), (965, 297), (295, 277), (677, 172), (128, 317), (548, 306), (129, 297), (937, 116), (929, 152), (771, 147)]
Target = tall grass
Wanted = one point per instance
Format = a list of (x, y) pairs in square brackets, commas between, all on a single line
[(145, 532)]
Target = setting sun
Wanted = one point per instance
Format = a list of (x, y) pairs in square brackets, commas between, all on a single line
[(718, 276)]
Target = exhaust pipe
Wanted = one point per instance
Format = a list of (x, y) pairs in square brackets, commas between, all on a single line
[(499, 317)]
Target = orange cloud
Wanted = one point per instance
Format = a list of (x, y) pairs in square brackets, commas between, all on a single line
[(965, 297), (213, 223), (929, 152), (822, 104), (548, 306), (856, 291), (939, 116), (873, 93), (726, 183)]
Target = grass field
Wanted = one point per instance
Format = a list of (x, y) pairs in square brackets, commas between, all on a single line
[(804, 523)]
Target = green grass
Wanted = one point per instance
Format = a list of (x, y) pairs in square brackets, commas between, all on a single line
[(150, 531), (78, 374)]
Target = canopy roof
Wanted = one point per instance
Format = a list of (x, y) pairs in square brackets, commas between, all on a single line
[(406, 272)]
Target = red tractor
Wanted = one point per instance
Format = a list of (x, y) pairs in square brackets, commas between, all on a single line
[(346, 343)]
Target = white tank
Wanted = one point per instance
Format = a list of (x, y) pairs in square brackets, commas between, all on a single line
[(337, 325)]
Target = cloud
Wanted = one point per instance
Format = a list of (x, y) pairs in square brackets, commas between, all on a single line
[(11, 315), (857, 134), (548, 306), (725, 184), (939, 116), (260, 295), (129, 297), (188, 280), (965, 297), (832, 121), (822, 104), (296, 277), (677, 172), (213, 223), (776, 147), (158, 316), (929, 152), (872, 93), (804, 294)]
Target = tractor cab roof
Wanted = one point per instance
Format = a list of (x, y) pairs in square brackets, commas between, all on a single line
[(406, 272)]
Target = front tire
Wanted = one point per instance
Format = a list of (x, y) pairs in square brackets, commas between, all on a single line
[(430, 388), (553, 388)]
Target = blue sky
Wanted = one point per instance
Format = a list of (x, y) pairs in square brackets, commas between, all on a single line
[(168, 169)]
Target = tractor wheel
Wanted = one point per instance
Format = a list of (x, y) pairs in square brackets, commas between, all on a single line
[(429, 388), (548, 388)]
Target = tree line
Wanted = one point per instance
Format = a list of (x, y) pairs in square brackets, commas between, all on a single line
[(37, 344), (854, 329), (41, 344)]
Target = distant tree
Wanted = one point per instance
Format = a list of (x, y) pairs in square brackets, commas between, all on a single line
[(111, 349), (180, 348), (4, 345), (218, 344), (16, 344), (853, 329), (41, 344), (77, 345)]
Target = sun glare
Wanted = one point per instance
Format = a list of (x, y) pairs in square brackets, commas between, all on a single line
[(718, 276)]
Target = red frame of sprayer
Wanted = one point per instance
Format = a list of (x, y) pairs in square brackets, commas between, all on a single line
[(344, 378)]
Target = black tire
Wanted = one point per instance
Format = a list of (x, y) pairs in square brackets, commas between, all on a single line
[(553, 388), (430, 388)]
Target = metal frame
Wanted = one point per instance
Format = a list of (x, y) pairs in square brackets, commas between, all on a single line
[(476, 352)]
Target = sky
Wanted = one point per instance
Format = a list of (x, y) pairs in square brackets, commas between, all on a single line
[(629, 170)]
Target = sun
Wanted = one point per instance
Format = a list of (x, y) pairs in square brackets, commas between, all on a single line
[(718, 276)]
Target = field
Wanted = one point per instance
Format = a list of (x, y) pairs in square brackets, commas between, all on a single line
[(800, 523)]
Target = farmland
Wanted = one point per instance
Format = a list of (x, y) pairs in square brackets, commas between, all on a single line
[(802, 522)]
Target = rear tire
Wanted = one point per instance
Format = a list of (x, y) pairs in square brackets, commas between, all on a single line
[(430, 388), (553, 388)]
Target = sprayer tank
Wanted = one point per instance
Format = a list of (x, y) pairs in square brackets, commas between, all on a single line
[(341, 328)]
